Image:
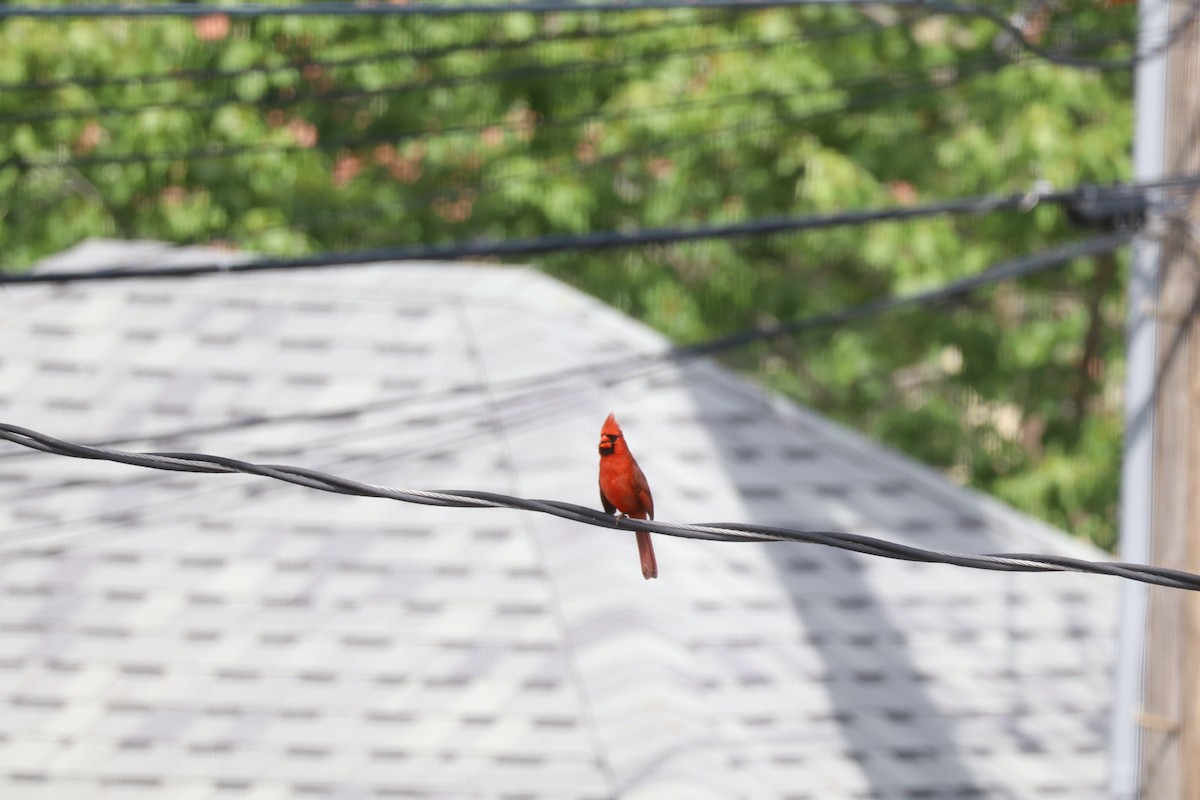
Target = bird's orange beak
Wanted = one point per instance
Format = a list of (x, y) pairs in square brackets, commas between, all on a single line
[(609, 435)]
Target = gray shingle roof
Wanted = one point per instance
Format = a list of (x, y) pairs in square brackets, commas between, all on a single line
[(229, 637)]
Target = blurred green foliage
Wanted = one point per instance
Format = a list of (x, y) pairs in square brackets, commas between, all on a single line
[(368, 131)]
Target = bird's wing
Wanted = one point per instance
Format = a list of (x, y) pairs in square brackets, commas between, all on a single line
[(643, 491)]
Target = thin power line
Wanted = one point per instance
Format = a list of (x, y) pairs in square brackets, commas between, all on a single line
[(999, 273), (892, 92), (883, 87), (902, 86), (603, 240), (536, 6), (382, 137), (353, 9), (720, 532), (528, 72), (624, 368), (419, 54)]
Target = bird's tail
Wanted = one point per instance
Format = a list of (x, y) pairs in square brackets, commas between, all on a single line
[(646, 551)]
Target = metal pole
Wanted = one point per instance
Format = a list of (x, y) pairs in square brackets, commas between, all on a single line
[(1137, 476)]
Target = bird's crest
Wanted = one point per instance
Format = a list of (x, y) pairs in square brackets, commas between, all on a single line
[(611, 426)]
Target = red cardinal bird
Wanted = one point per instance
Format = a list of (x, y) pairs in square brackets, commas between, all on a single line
[(623, 488)]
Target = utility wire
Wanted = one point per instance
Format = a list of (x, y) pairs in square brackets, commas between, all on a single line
[(353, 9), (609, 371), (675, 144), (419, 54), (383, 137), (603, 240), (720, 531), (531, 72), (884, 87), (250, 10), (1006, 271), (896, 91), (640, 366)]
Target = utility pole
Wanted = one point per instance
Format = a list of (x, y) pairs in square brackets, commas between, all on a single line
[(1171, 698), (1156, 715)]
